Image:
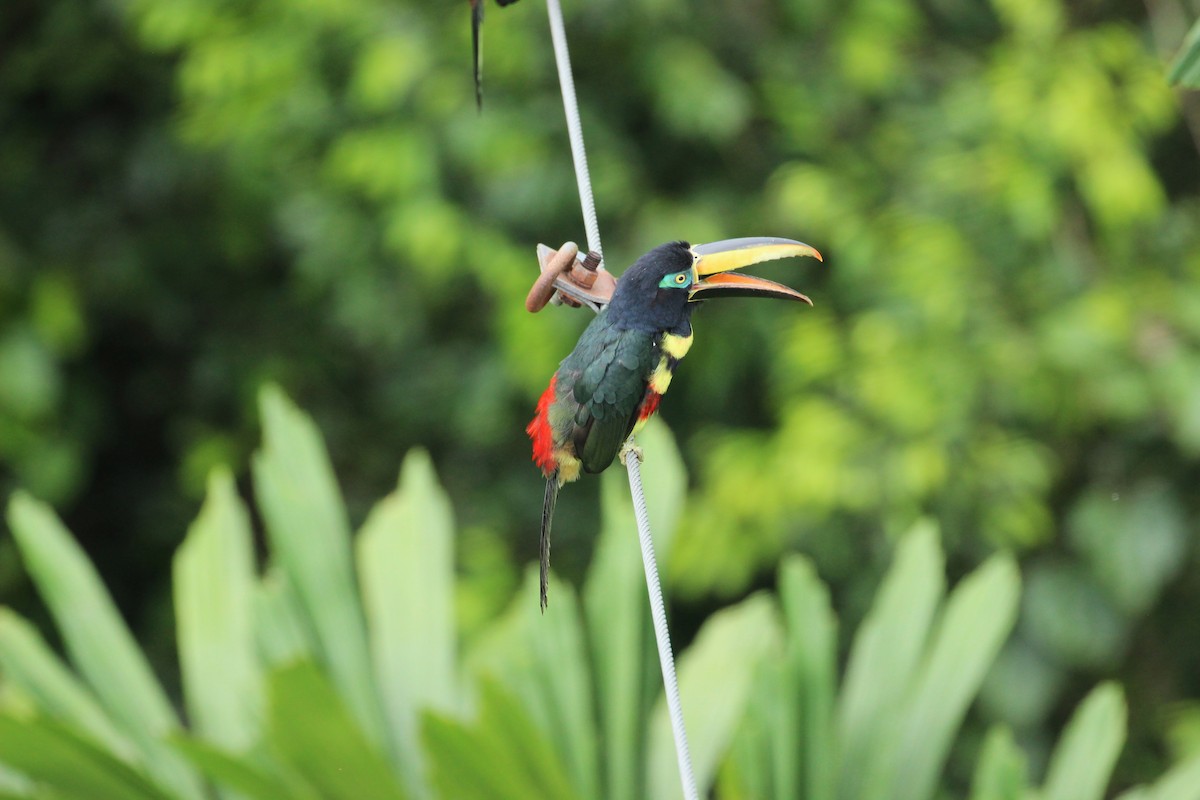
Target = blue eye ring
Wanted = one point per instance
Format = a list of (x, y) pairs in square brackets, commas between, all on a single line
[(676, 280)]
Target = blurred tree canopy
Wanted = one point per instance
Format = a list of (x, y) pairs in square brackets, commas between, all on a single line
[(197, 196)]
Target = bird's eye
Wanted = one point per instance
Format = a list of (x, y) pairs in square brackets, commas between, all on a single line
[(676, 280)]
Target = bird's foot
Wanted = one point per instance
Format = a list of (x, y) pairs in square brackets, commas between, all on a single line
[(629, 449)]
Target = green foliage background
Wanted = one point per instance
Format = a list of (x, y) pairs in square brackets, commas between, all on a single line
[(337, 672), (199, 196)]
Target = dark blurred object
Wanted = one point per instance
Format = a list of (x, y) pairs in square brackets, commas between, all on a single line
[(477, 44)]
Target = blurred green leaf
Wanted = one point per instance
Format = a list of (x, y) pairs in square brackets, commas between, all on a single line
[(715, 680), (811, 676), (406, 563), (334, 756), (73, 765), (96, 637), (1182, 782), (1067, 614), (1000, 772), (387, 69), (693, 94), (1134, 541), (885, 657), (1186, 67), (505, 756), (558, 644), (282, 632), (1183, 730), (786, 745), (543, 662), (619, 630), (977, 618), (56, 315), (1022, 686), (307, 525), (29, 665), (236, 772), (1083, 760), (789, 747), (29, 380), (214, 582)]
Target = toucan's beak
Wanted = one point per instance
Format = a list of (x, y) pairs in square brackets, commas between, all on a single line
[(714, 261)]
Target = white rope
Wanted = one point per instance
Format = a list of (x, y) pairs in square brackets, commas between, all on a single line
[(658, 612), (566, 81), (661, 633)]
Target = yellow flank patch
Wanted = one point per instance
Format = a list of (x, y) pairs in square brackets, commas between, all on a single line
[(676, 346), (660, 379), (673, 348)]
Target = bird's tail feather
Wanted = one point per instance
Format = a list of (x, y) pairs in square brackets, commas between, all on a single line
[(477, 50), (544, 542)]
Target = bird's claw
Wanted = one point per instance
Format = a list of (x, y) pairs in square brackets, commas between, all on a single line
[(628, 449)]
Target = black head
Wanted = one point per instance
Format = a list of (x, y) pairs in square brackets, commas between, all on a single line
[(657, 293), (653, 294)]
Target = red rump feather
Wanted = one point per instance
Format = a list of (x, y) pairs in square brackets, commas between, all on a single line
[(541, 434), (649, 404)]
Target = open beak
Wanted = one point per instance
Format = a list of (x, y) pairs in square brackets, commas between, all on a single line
[(714, 261)]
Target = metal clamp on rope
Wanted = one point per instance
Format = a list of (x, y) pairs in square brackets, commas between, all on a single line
[(567, 277)]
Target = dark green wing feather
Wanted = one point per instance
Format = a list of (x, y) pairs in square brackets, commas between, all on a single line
[(608, 371)]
